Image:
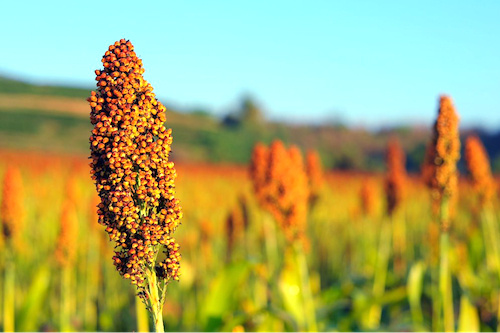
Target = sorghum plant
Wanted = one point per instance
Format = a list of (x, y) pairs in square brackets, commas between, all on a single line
[(442, 178), (134, 178), (281, 186), (395, 182), (478, 164), (11, 217)]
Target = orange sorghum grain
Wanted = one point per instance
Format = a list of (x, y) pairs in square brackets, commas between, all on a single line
[(478, 164), (442, 155), (368, 196), (235, 224), (258, 171), (281, 186), (396, 175), (130, 166), (12, 210), (314, 174), (68, 234)]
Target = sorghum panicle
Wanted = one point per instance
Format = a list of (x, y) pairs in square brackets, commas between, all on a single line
[(258, 171), (428, 166), (130, 165), (12, 210), (478, 164), (368, 196), (281, 186), (443, 154), (314, 173), (68, 234), (396, 175)]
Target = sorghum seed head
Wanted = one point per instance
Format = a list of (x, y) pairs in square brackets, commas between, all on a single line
[(442, 156), (12, 210), (396, 175), (478, 164), (314, 174), (68, 234), (281, 186), (368, 196), (134, 178)]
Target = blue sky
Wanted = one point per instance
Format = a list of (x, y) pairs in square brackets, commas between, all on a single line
[(364, 62)]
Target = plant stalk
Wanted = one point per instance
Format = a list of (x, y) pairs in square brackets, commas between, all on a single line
[(141, 315), (488, 221), (445, 288), (375, 312), (309, 307), (64, 319), (156, 305), (8, 293)]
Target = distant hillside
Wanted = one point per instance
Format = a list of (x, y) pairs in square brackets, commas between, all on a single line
[(55, 119), (12, 86)]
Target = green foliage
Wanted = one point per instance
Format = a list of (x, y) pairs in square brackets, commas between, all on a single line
[(31, 308), (221, 298), (199, 136), (10, 86)]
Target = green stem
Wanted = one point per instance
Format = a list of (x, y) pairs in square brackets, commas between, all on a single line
[(380, 278), (306, 288), (64, 319), (436, 300), (445, 287), (8, 293), (488, 221), (399, 242), (156, 305), (445, 284), (141, 315), (271, 245)]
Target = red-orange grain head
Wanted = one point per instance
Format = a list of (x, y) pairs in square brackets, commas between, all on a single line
[(258, 170), (442, 155), (282, 187), (478, 164), (12, 209), (396, 175), (314, 174), (68, 235), (130, 148), (369, 198)]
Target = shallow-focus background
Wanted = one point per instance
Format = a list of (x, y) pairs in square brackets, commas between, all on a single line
[(340, 79)]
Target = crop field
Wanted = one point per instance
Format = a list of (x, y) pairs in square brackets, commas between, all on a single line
[(120, 214), (366, 270)]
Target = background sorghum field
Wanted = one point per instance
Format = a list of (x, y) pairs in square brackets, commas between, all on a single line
[(241, 277)]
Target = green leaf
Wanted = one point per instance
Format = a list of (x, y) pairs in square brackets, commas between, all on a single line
[(291, 292), (221, 295), (468, 320), (414, 288), (35, 301)]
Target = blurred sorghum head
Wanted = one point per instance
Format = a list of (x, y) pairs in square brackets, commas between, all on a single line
[(12, 210), (314, 174), (68, 234), (478, 164), (281, 186), (396, 175), (443, 154)]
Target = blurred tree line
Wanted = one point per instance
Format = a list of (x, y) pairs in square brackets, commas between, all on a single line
[(200, 136)]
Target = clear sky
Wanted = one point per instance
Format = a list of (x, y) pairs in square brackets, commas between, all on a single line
[(365, 62)]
